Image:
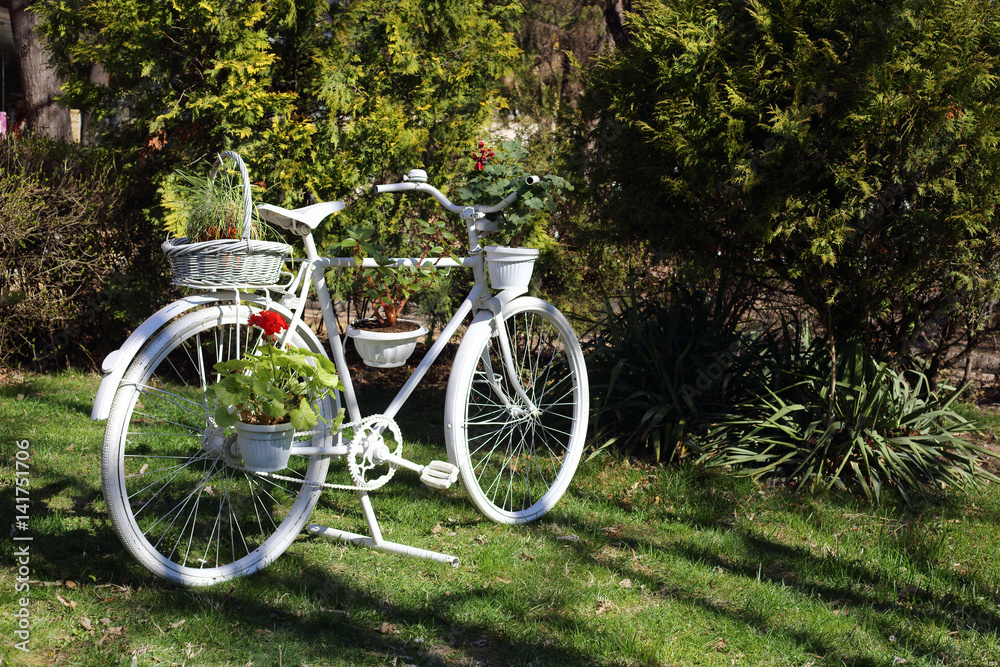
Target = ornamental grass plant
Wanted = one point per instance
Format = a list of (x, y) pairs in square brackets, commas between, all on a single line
[(211, 208), (851, 423), (661, 365), (684, 377)]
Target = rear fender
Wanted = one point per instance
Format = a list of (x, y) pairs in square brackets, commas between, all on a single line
[(116, 363)]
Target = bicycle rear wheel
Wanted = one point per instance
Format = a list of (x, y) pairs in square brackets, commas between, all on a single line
[(516, 464), (174, 488)]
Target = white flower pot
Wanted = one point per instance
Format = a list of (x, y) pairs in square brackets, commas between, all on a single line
[(384, 349), (510, 268), (265, 448)]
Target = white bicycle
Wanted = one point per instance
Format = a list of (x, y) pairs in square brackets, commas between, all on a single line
[(177, 490)]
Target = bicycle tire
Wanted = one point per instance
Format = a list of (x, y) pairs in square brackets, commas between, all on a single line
[(180, 505), (515, 466)]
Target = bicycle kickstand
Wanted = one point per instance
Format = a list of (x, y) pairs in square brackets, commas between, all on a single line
[(376, 541)]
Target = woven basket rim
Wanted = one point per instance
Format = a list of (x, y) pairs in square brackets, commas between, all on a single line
[(183, 246)]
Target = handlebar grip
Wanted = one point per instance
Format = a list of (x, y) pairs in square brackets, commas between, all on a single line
[(393, 187)]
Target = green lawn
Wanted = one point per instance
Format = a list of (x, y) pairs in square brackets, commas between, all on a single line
[(638, 565)]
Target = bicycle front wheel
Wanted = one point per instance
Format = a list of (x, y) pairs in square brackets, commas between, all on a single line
[(516, 459), (175, 488)]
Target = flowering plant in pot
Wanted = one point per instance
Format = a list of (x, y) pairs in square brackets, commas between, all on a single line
[(268, 394), (498, 172), (385, 339)]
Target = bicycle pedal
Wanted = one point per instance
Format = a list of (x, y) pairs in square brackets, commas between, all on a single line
[(439, 474)]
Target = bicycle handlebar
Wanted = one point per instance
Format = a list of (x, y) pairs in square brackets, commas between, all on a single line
[(416, 180)]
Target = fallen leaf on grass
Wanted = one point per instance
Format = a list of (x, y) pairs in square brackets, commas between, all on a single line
[(387, 629), (111, 632), (625, 583), (604, 606), (526, 556), (65, 602), (70, 584), (85, 624), (177, 624)]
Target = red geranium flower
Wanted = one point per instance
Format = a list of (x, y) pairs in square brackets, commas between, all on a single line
[(271, 322), (482, 156)]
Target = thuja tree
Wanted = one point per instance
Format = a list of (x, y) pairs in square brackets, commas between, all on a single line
[(847, 149), (321, 98)]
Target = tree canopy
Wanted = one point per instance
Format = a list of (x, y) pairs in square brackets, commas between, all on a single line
[(320, 97), (846, 148)]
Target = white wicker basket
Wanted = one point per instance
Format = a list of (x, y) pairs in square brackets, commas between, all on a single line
[(240, 261)]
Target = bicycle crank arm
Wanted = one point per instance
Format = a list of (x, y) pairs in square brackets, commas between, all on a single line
[(436, 474)]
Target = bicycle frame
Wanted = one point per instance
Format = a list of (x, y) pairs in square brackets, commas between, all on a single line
[(477, 299), (363, 452)]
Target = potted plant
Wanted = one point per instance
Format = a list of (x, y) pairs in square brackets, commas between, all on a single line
[(386, 340), (220, 236), (211, 207), (497, 172), (266, 395)]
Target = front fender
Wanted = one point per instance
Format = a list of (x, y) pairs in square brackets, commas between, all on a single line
[(116, 363)]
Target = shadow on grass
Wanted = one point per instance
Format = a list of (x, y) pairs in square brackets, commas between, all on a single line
[(881, 604), (337, 619)]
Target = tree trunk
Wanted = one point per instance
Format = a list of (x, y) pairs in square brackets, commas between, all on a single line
[(613, 24), (39, 80), (98, 76)]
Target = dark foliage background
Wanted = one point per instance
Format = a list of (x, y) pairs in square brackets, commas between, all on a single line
[(81, 262)]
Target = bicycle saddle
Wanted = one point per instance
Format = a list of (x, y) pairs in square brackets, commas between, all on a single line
[(301, 221)]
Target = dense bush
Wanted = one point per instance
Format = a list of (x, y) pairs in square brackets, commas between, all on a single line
[(81, 263), (866, 426), (321, 98), (844, 149)]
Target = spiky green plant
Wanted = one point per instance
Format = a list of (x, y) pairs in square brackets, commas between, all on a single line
[(658, 364), (212, 208), (869, 427)]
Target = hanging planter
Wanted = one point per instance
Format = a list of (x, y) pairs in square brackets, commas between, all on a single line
[(510, 268), (265, 448), (224, 245), (384, 349)]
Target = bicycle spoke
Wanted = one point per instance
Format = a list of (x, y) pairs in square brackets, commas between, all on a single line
[(182, 507)]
